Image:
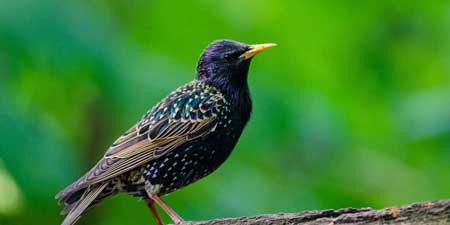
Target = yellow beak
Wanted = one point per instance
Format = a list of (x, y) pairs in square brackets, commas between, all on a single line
[(255, 49)]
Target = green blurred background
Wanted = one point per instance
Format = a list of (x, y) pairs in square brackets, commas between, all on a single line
[(351, 109)]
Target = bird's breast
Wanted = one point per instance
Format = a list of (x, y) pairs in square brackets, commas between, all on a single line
[(195, 159)]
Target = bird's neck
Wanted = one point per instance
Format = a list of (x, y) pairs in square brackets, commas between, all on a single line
[(238, 94), (244, 103)]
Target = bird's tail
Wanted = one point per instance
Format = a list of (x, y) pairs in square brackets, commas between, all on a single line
[(86, 198)]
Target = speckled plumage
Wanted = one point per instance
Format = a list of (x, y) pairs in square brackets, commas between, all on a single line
[(183, 138), (194, 102)]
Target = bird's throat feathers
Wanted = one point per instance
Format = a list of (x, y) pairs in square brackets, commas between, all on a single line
[(238, 93)]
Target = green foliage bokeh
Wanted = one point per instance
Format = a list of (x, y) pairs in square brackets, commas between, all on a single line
[(351, 109)]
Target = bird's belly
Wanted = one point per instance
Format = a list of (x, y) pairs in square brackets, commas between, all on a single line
[(187, 164)]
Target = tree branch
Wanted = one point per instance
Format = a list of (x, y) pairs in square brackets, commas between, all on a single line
[(429, 213)]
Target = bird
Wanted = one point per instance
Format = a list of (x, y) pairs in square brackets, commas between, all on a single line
[(183, 138)]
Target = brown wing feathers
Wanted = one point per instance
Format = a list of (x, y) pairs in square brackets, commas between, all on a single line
[(165, 127), (78, 208)]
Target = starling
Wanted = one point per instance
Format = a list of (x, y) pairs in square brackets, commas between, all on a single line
[(183, 138)]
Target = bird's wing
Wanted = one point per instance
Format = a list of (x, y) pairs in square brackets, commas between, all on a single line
[(186, 114)]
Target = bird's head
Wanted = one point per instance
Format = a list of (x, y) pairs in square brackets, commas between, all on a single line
[(225, 63)]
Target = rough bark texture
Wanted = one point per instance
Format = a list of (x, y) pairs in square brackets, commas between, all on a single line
[(430, 213)]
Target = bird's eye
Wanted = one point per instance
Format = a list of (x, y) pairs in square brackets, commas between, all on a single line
[(227, 55), (231, 55)]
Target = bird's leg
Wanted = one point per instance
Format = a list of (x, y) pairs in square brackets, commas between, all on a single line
[(151, 190), (151, 206), (173, 215)]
